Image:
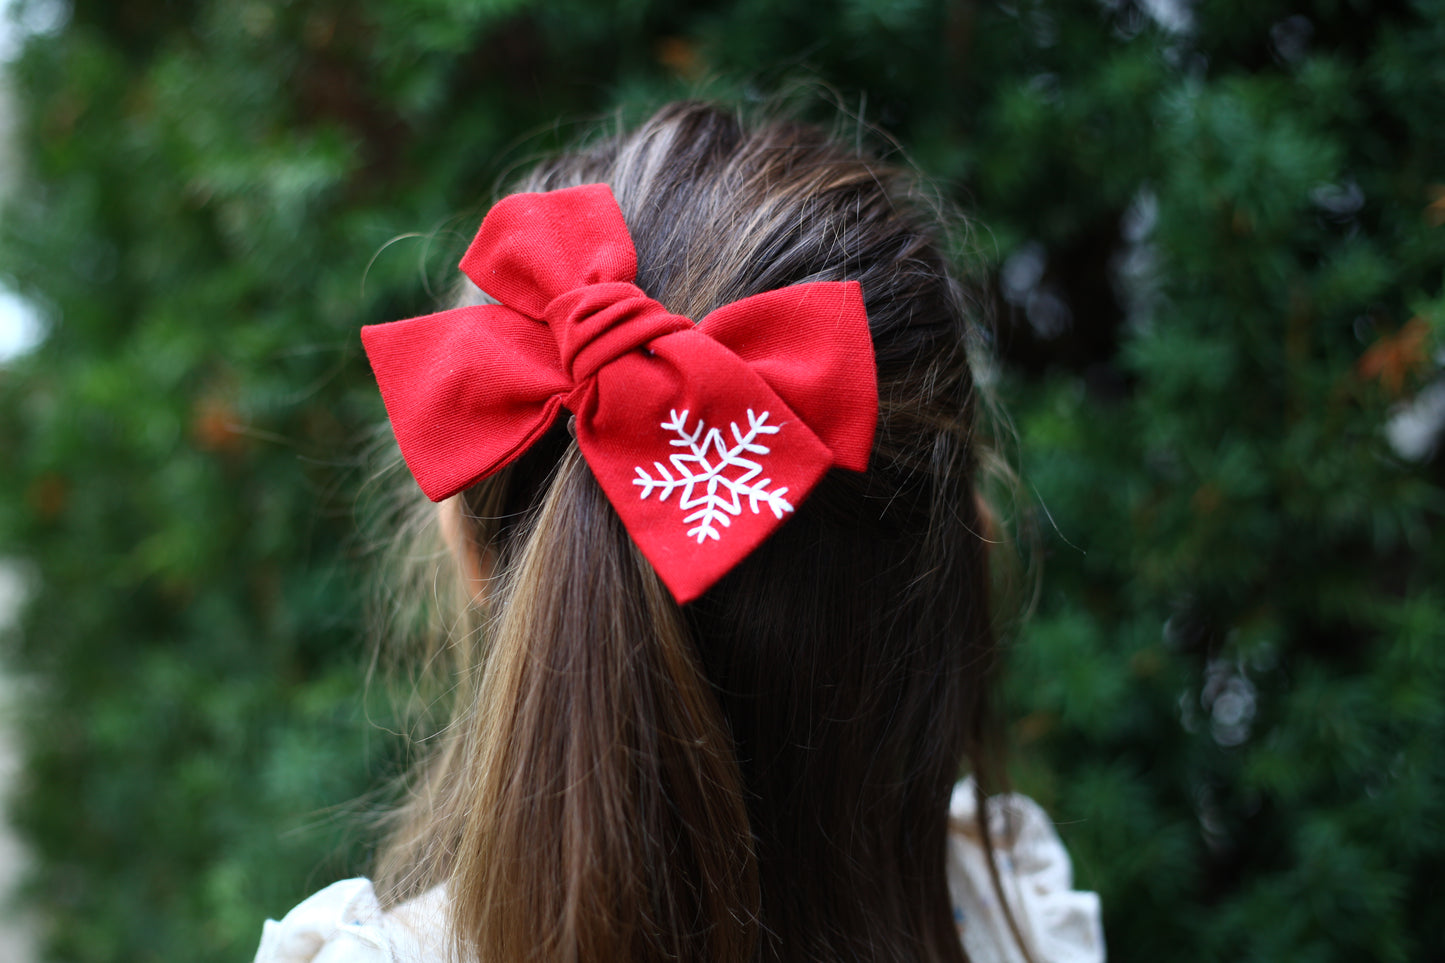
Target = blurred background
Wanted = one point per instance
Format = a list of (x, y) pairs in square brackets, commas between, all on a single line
[(1211, 237)]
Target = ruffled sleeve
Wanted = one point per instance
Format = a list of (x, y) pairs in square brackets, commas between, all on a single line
[(344, 923), (1058, 923)]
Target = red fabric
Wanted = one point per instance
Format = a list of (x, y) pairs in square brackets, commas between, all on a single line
[(786, 378)]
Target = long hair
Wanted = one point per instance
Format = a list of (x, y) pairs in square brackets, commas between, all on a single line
[(765, 773)]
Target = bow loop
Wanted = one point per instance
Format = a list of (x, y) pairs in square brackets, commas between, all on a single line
[(597, 324), (533, 248)]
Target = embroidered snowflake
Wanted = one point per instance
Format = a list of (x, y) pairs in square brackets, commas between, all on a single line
[(715, 477)]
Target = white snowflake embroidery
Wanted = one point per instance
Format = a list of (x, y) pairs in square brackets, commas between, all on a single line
[(704, 480)]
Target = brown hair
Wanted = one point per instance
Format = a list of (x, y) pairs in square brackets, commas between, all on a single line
[(763, 774)]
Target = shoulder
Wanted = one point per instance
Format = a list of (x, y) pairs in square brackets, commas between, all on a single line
[(1059, 923), (345, 923)]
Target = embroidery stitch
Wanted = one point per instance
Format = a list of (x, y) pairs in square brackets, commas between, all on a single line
[(713, 507)]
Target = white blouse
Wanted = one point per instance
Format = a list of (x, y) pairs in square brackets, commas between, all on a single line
[(344, 923)]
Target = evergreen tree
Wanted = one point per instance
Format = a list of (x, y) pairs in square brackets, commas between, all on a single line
[(1212, 238)]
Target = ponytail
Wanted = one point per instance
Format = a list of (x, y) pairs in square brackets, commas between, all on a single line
[(599, 813)]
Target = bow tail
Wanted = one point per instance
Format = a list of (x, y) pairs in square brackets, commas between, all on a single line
[(699, 456)]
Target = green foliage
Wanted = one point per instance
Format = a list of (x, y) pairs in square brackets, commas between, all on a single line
[(1215, 254)]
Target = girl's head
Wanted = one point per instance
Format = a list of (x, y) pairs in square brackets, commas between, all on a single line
[(765, 772)]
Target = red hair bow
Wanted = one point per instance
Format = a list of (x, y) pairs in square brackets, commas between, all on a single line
[(704, 436)]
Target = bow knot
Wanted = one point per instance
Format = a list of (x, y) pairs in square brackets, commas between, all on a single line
[(596, 324)]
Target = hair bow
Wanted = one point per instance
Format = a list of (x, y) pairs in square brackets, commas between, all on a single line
[(703, 436)]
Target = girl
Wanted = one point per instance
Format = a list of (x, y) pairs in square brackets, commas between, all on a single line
[(706, 454)]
